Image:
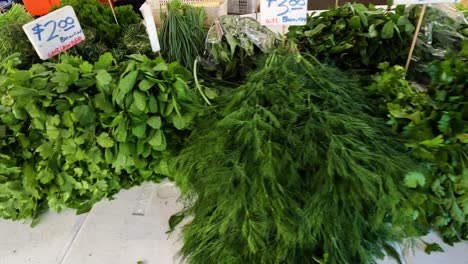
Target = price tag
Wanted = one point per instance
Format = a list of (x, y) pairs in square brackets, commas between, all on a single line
[(54, 32), (283, 12), (422, 2)]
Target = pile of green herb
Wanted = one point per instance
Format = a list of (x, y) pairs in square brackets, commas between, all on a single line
[(290, 169), (434, 121), (72, 133), (353, 36), (133, 38), (103, 34), (13, 38), (182, 33)]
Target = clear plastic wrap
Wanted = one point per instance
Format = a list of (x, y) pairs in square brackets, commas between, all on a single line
[(234, 38), (443, 30)]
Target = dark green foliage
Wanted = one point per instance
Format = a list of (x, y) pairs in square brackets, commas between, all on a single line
[(434, 122), (48, 136), (355, 37), (126, 16), (156, 105), (289, 169), (93, 14), (99, 26), (72, 133), (104, 35), (182, 33), (13, 38), (134, 39), (433, 247)]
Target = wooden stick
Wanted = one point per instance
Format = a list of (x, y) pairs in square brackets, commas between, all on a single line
[(415, 37), (113, 12), (257, 5), (283, 40), (337, 2)]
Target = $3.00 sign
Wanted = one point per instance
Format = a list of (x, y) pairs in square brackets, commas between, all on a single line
[(283, 12), (55, 32)]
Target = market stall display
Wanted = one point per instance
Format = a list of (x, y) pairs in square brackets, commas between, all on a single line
[(315, 146)]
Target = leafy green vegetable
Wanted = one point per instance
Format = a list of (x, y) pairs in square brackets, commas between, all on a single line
[(72, 133), (433, 247), (99, 15), (103, 34), (415, 179), (356, 37), (290, 169), (434, 122), (105, 141), (134, 39), (14, 39)]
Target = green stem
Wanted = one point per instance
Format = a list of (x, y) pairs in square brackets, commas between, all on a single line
[(197, 84)]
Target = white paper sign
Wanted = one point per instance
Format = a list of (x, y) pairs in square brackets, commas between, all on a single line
[(283, 12), (147, 13), (416, 2), (54, 32)]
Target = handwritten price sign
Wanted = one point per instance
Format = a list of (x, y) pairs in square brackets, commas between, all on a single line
[(283, 12), (55, 32)]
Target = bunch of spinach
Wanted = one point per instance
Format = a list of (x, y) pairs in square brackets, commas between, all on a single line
[(72, 132), (156, 106), (434, 122), (356, 37)]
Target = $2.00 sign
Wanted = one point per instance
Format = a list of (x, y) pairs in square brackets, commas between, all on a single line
[(55, 32), (283, 12)]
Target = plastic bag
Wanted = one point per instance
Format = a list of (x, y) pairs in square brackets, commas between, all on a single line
[(443, 30), (232, 38)]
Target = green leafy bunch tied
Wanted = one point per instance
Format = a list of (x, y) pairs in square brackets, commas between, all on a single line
[(434, 122), (156, 112), (291, 169), (75, 132), (182, 33), (356, 37)]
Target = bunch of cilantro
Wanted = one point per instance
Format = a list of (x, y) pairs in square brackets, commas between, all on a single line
[(73, 133)]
